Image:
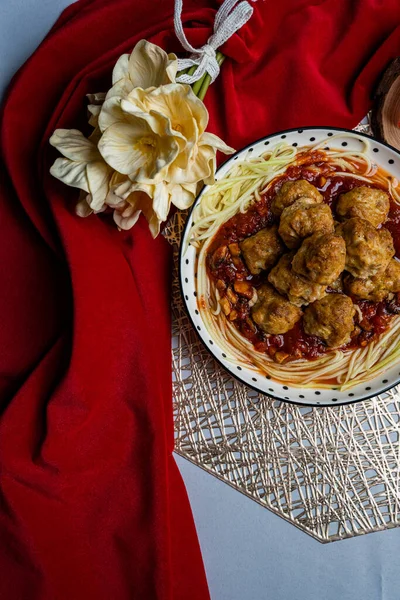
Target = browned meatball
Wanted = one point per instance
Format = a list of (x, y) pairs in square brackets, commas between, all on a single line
[(320, 258), (262, 250), (292, 191), (375, 288), (368, 203), (302, 219), (368, 250), (298, 289), (337, 285), (273, 313), (331, 319)]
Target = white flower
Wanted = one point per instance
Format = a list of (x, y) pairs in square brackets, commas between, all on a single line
[(140, 146), (149, 147), (147, 66), (172, 111), (186, 114), (83, 166), (154, 201)]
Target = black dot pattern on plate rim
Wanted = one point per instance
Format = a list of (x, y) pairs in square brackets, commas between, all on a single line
[(344, 143), (283, 136), (196, 311), (266, 143), (375, 149), (254, 379), (312, 139), (391, 161), (187, 261), (198, 327), (330, 134)]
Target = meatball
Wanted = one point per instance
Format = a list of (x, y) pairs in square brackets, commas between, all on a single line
[(302, 219), (337, 285), (331, 319), (292, 191), (368, 203), (273, 313), (375, 288), (262, 250), (320, 258), (298, 289), (368, 250)]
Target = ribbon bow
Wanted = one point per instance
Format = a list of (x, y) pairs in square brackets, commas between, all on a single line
[(231, 16)]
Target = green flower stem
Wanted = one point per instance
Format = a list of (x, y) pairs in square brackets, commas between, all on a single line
[(201, 86), (188, 71), (207, 79), (197, 84)]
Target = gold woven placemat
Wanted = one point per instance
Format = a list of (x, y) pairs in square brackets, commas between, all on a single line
[(332, 472)]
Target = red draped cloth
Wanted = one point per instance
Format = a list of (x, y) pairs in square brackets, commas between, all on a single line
[(92, 505)]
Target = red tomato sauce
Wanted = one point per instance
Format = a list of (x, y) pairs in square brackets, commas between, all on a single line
[(296, 343)]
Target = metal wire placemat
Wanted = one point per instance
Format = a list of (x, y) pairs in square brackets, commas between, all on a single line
[(332, 472)]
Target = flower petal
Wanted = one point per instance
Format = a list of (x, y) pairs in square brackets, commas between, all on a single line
[(82, 208), (73, 145), (72, 173), (127, 217), (138, 202), (182, 198), (148, 65), (188, 115), (110, 113), (98, 176), (94, 111), (133, 149), (97, 99), (161, 201), (201, 167), (121, 68), (209, 139)]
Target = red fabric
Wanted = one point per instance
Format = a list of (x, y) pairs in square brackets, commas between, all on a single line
[(91, 502)]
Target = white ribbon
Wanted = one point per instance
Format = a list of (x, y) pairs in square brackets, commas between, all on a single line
[(231, 16)]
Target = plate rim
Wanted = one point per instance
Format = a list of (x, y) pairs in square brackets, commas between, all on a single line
[(180, 259)]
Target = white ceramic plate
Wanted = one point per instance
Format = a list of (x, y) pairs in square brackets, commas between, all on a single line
[(388, 158)]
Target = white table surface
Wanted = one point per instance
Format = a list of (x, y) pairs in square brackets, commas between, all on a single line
[(249, 553)]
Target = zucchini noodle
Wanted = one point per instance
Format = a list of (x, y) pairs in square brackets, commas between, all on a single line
[(242, 186)]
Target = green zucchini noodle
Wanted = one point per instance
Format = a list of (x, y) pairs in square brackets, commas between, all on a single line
[(235, 192)]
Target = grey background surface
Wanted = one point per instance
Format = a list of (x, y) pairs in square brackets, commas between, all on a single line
[(249, 553)]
